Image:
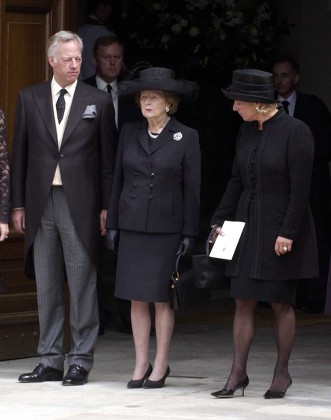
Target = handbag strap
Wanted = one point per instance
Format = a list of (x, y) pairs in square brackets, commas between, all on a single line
[(175, 274)]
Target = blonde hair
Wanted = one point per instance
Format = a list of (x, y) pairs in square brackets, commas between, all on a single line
[(263, 108)]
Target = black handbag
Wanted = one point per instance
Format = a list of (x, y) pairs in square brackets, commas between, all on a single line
[(184, 295), (209, 273)]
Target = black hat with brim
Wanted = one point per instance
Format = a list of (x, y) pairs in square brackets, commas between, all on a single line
[(251, 85), (158, 78)]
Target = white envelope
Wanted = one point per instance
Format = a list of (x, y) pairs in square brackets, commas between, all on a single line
[(225, 246)]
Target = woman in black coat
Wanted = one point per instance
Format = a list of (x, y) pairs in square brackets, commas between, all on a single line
[(269, 191), (154, 209)]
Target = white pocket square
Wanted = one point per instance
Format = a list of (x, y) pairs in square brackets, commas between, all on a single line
[(90, 111)]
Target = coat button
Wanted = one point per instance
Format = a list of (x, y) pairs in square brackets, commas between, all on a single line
[(152, 174), (150, 197), (151, 185), (61, 155), (133, 196)]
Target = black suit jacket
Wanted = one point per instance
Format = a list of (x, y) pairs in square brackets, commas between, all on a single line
[(311, 110), (87, 150), (128, 110), (156, 189)]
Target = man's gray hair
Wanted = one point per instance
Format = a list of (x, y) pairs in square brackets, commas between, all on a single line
[(62, 36)]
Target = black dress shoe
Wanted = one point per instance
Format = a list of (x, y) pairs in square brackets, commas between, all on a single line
[(276, 394), (42, 373), (138, 383), (229, 392), (148, 384), (76, 375)]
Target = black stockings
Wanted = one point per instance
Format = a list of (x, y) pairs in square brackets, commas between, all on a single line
[(243, 335)]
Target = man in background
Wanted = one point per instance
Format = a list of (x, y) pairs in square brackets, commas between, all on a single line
[(311, 110), (94, 26), (108, 56)]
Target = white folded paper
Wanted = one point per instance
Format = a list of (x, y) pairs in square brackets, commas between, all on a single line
[(225, 245)]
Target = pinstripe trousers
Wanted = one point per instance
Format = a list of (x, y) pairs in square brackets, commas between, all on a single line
[(59, 254)]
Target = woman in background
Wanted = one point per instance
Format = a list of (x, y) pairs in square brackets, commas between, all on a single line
[(4, 180)]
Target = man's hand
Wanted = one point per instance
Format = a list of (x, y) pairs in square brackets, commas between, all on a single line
[(18, 219), (103, 217)]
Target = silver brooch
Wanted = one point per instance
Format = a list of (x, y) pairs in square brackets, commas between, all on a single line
[(178, 136)]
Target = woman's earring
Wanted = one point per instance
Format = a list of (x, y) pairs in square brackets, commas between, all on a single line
[(167, 109)]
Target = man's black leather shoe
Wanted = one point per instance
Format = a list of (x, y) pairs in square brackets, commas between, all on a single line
[(42, 373), (76, 375)]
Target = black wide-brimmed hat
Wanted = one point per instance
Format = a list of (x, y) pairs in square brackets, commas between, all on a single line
[(251, 85), (158, 78)]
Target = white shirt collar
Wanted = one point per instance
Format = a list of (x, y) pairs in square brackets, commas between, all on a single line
[(291, 99), (55, 87), (102, 85)]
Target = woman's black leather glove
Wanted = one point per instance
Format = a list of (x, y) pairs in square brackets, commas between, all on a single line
[(111, 240), (186, 245)]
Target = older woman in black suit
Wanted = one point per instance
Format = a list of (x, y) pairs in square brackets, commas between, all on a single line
[(155, 207), (269, 191)]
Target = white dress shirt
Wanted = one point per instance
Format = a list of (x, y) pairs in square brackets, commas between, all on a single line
[(102, 85), (291, 102), (55, 88)]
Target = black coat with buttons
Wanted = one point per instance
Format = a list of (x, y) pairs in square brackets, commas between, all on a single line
[(269, 188), (156, 189)]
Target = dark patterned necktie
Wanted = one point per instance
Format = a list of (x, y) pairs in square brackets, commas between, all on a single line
[(285, 105), (61, 105), (109, 88)]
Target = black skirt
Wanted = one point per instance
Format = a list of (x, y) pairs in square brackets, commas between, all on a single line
[(145, 263), (247, 288)]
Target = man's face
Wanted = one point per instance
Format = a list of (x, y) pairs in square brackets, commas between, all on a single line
[(285, 78), (66, 63), (109, 61)]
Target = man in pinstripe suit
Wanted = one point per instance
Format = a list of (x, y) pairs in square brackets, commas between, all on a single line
[(62, 161)]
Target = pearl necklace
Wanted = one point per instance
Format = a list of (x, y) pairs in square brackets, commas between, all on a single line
[(154, 134)]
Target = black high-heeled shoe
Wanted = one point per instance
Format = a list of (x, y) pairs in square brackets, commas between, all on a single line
[(276, 394), (138, 383), (157, 384), (229, 393)]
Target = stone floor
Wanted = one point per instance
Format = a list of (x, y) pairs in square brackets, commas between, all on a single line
[(199, 362)]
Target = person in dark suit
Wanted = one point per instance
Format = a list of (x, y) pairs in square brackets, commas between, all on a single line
[(311, 110), (154, 210), (109, 58), (95, 26), (110, 69), (62, 166), (269, 191)]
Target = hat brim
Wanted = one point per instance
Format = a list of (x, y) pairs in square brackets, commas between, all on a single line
[(248, 98), (182, 88)]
